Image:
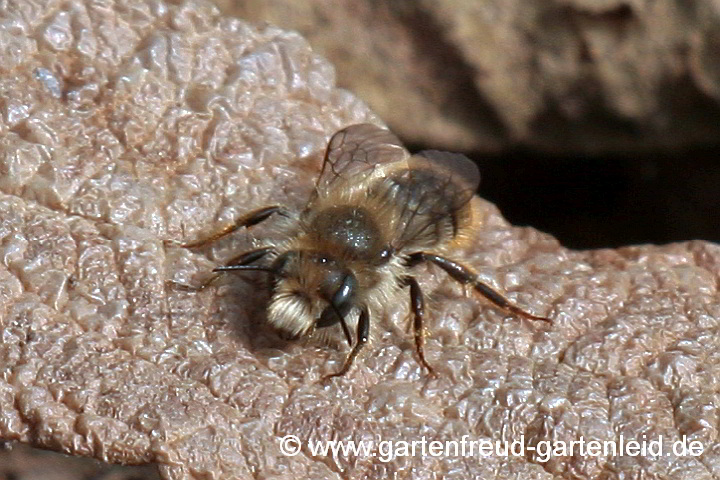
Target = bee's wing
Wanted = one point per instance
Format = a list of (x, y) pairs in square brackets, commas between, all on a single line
[(357, 150), (430, 195), (456, 167)]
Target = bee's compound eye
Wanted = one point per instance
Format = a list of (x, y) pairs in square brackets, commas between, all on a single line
[(340, 303), (281, 263), (334, 281), (344, 293), (327, 318)]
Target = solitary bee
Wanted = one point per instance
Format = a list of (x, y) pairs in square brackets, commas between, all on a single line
[(375, 213)]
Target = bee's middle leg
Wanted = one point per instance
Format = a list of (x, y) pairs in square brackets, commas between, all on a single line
[(417, 305)]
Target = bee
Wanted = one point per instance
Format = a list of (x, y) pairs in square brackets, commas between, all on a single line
[(375, 213)]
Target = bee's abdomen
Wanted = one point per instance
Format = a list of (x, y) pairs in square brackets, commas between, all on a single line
[(430, 210)]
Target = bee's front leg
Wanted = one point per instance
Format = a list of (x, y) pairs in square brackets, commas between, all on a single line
[(248, 220), (363, 331)]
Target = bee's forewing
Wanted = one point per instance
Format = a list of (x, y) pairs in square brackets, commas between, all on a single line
[(357, 150)]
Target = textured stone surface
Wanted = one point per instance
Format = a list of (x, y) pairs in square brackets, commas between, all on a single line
[(126, 126), (569, 76)]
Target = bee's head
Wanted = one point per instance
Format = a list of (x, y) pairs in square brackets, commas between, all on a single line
[(311, 290)]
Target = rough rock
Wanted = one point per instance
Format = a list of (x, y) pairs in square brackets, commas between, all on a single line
[(127, 126), (570, 76)]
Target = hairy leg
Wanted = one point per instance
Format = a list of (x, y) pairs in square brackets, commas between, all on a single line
[(248, 220), (363, 330), (466, 276), (417, 305)]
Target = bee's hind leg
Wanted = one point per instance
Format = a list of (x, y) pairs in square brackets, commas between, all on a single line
[(417, 305), (363, 331), (466, 276)]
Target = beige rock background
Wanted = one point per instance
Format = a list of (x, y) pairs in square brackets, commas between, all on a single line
[(124, 126), (22, 462), (570, 76)]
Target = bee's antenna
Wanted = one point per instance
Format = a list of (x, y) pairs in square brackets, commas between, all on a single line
[(236, 268)]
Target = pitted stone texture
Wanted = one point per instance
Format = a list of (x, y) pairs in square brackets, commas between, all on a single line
[(127, 127)]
